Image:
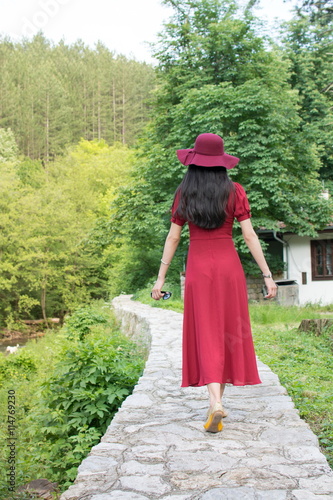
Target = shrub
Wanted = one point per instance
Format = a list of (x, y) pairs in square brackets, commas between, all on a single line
[(68, 387), (80, 323), (17, 366), (78, 401)]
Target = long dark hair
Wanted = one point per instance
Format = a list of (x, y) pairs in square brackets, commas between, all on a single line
[(203, 196)]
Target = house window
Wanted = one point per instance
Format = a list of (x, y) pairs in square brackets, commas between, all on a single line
[(321, 258)]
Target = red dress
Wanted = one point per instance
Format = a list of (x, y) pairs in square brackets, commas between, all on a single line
[(217, 338)]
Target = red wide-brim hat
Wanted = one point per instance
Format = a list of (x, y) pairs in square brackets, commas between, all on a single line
[(208, 151)]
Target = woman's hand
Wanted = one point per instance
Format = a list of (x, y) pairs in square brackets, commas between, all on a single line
[(156, 291), (271, 288), (171, 244)]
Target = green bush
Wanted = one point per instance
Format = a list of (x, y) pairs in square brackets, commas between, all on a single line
[(17, 366), (78, 401), (80, 323), (78, 379)]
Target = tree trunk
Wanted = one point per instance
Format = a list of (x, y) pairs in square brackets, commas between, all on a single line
[(316, 326), (43, 303), (47, 131), (85, 112), (114, 111), (93, 114), (99, 126), (123, 121)]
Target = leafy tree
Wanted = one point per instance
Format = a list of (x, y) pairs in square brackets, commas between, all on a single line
[(49, 262), (217, 75), (309, 47), (318, 10), (8, 146)]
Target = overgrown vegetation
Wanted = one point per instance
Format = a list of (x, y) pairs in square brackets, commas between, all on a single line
[(68, 387)]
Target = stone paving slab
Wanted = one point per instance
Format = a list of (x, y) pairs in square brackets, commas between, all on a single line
[(156, 446)]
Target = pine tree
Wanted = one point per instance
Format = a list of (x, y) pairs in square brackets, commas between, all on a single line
[(52, 95)]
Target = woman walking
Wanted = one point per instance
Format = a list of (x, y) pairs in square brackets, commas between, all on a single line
[(217, 339)]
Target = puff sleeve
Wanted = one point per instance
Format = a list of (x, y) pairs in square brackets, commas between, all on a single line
[(176, 219), (242, 208)]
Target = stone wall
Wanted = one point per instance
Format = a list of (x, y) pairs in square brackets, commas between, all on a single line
[(137, 328), (255, 288)]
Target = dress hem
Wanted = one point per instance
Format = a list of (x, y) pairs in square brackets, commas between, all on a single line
[(240, 384)]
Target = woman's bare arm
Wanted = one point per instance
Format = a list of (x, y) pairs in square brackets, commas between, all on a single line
[(253, 243), (170, 247)]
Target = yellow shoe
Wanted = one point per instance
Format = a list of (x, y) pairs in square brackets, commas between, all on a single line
[(214, 420), (224, 412)]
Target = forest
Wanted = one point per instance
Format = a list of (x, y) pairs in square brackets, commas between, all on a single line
[(88, 140)]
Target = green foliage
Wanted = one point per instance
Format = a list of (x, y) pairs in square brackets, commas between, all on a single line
[(308, 45), (17, 366), (320, 12), (208, 42), (54, 94), (81, 397), (51, 260), (217, 75), (80, 323), (8, 146), (275, 263), (67, 398)]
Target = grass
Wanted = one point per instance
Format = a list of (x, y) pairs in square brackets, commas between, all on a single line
[(304, 364), (271, 313), (303, 361)]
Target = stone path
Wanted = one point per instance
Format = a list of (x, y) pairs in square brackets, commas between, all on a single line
[(156, 447)]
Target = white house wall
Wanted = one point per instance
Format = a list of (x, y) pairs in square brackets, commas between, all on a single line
[(298, 256)]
